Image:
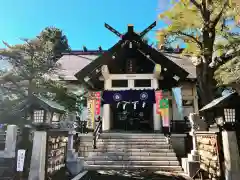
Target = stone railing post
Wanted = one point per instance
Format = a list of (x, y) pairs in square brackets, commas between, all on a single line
[(71, 151), (70, 139), (38, 160), (194, 156), (11, 141), (191, 164), (231, 155)]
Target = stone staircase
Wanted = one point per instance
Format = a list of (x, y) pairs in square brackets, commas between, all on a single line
[(7, 171), (117, 151), (2, 140)]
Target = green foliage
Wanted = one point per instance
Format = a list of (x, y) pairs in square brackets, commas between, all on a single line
[(31, 62), (188, 19), (229, 72), (200, 24), (57, 39)]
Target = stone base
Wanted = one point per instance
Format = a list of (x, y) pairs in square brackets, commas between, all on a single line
[(192, 167), (75, 167)]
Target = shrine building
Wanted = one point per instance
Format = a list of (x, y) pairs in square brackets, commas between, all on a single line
[(128, 75)]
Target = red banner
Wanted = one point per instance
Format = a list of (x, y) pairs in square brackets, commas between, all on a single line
[(97, 103), (158, 97)]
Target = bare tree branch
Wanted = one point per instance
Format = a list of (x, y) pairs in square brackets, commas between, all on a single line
[(218, 17), (196, 4), (190, 36)]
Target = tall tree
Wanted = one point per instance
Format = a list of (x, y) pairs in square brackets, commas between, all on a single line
[(58, 40), (31, 61), (199, 23)]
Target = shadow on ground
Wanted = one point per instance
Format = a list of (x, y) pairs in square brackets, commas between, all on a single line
[(130, 175)]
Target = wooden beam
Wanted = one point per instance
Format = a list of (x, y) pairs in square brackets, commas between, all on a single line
[(105, 72), (157, 71), (149, 28), (110, 28)]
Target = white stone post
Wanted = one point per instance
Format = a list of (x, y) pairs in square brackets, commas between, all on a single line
[(194, 156), (106, 118), (156, 117), (37, 167), (231, 155), (11, 141), (106, 108)]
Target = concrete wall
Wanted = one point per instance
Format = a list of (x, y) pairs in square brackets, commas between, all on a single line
[(179, 144)]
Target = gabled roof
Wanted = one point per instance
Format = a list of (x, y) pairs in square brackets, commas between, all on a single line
[(75, 61), (138, 44)]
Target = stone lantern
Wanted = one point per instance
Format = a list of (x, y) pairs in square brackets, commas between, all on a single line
[(226, 111), (50, 139), (46, 113)]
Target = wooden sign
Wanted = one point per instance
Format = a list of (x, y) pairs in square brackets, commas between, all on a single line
[(91, 114), (20, 159), (208, 148)]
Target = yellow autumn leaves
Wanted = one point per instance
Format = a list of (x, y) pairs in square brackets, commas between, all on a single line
[(184, 20)]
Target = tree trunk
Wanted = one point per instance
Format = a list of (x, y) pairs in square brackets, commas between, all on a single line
[(205, 74), (206, 89), (205, 83)]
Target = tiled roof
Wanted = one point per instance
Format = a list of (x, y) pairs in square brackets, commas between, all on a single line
[(218, 101), (184, 62), (51, 104), (72, 63)]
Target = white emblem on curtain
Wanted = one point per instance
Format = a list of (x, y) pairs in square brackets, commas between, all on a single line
[(143, 96), (117, 97)]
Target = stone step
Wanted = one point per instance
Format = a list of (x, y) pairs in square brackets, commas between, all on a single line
[(133, 167), (133, 142), (132, 135), (135, 146), (133, 158), (106, 149), (122, 139), (145, 163), (115, 153)]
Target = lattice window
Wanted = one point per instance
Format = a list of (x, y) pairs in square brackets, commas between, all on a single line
[(229, 115), (38, 116)]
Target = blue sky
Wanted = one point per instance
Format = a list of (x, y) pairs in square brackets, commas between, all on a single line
[(81, 20)]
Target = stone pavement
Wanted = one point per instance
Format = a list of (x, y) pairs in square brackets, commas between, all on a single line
[(132, 175)]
